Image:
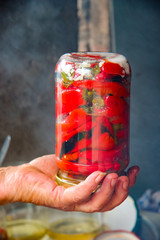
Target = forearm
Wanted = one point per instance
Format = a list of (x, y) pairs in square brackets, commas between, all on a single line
[(4, 198)]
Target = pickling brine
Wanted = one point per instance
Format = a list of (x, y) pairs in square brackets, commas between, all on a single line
[(92, 115)]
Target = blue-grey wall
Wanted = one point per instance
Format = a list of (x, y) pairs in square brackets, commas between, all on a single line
[(137, 30), (33, 35)]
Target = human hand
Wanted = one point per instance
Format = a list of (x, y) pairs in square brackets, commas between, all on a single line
[(34, 182)]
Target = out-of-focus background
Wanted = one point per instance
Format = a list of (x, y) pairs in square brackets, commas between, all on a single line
[(35, 33)]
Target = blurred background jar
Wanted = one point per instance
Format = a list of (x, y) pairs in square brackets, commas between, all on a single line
[(74, 225), (92, 115), (21, 221)]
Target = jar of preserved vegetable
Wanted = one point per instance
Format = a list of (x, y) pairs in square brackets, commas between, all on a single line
[(92, 115)]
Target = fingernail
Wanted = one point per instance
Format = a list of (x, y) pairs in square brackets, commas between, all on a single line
[(135, 171), (125, 185), (113, 182), (100, 177)]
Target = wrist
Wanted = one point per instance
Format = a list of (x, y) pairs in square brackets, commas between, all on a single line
[(3, 190), (7, 185)]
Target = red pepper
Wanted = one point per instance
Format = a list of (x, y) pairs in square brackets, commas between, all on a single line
[(89, 84), (82, 144), (103, 76), (100, 156), (95, 136), (75, 119), (83, 128), (112, 68), (85, 168), (116, 166), (102, 141), (69, 100), (84, 84), (70, 156), (104, 88), (106, 142), (84, 158), (79, 116), (62, 136), (115, 106), (111, 88), (103, 120), (121, 119), (58, 88)]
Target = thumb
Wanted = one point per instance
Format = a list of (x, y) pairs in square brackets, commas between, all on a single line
[(82, 192)]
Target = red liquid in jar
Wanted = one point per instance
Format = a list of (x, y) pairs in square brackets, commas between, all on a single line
[(92, 114)]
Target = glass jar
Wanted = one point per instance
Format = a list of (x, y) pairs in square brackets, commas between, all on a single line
[(92, 115), (74, 225), (24, 221)]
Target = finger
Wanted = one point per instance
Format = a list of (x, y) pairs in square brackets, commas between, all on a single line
[(46, 164), (132, 174), (82, 192), (102, 196), (120, 194)]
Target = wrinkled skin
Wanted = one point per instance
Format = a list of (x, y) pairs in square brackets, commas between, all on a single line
[(34, 182)]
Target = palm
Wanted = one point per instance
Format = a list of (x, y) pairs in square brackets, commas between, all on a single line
[(35, 182)]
